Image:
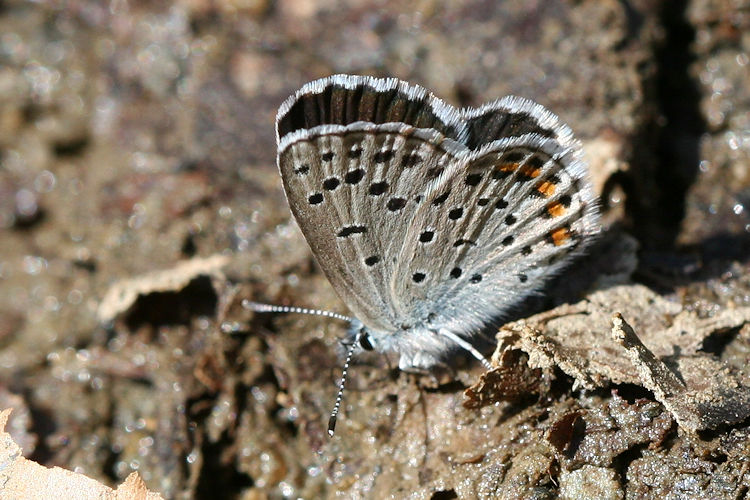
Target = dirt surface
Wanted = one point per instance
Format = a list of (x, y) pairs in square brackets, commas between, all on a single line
[(140, 204)]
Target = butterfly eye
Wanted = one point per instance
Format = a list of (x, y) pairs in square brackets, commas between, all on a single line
[(364, 341)]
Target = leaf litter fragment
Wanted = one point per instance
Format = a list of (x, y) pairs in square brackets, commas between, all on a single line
[(122, 294), (700, 391), (23, 478)]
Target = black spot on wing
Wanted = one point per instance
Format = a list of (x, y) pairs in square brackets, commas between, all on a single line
[(354, 176), (315, 198), (347, 231)]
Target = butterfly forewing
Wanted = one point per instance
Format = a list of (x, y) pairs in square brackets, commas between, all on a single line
[(354, 190)]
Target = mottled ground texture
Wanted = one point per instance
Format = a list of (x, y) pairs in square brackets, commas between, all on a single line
[(140, 203)]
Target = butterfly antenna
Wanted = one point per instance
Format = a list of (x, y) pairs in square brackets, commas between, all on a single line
[(340, 395), (467, 346), (269, 308)]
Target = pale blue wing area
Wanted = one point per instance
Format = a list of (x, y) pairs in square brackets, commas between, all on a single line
[(501, 222)]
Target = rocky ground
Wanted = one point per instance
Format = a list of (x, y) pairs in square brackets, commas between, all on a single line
[(140, 203)]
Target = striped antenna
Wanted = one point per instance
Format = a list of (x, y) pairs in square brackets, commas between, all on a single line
[(340, 395), (269, 308)]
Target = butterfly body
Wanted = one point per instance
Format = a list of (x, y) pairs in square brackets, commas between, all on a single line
[(430, 222)]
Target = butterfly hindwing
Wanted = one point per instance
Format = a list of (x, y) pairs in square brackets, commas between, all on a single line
[(503, 220)]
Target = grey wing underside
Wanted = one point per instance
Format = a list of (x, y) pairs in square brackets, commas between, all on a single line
[(354, 191), (455, 249)]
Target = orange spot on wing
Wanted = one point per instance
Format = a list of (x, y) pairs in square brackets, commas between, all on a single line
[(556, 209), (507, 167), (546, 188), (559, 236), (530, 171)]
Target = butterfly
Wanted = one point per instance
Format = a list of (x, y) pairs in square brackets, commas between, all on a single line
[(430, 222)]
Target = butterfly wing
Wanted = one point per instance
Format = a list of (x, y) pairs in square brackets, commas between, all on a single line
[(421, 216), (503, 220), (356, 157)]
